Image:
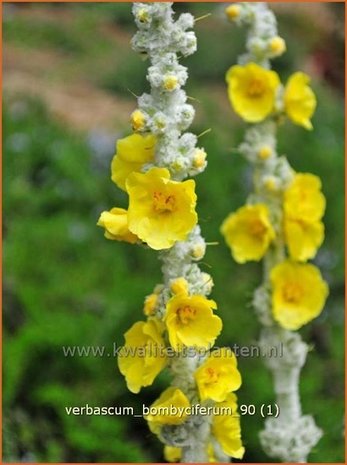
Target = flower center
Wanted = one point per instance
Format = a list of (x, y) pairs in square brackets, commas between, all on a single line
[(257, 228), (255, 88), (212, 374), (163, 203), (186, 314), (292, 292)]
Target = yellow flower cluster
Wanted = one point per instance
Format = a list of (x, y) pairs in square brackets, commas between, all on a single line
[(256, 93), (225, 426), (225, 429), (161, 211), (189, 321), (249, 233)]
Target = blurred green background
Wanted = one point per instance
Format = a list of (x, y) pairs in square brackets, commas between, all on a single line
[(68, 69)]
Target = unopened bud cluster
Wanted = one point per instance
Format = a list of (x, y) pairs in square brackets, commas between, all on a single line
[(165, 111), (263, 41)]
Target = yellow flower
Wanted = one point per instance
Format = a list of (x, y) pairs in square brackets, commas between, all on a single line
[(299, 100), (115, 223), (143, 355), (161, 212), (179, 286), (303, 238), (138, 120), (298, 293), (170, 409), (277, 46), (226, 429), (172, 454), (248, 232), (303, 199), (218, 375), (132, 153), (252, 91), (190, 321), (150, 304)]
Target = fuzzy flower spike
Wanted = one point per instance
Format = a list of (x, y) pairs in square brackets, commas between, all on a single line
[(180, 323), (280, 225)]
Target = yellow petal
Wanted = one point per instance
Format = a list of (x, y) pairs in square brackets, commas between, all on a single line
[(299, 100), (172, 454), (143, 356), (161, 409), (303, 238), (226, 429), (115, 223), (303, 199), (132, 153)]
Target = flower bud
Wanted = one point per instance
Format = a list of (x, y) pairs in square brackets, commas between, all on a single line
[(207, 282), (271, 183), (198, 251), (277, 45), (199, 158), (138, 120), (142, 15), (232, 12), (170, 83), (265, 152), (150, 304), (179, 286)]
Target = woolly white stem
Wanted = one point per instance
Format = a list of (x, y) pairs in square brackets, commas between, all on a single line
[(167, 114), (291, 436)]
